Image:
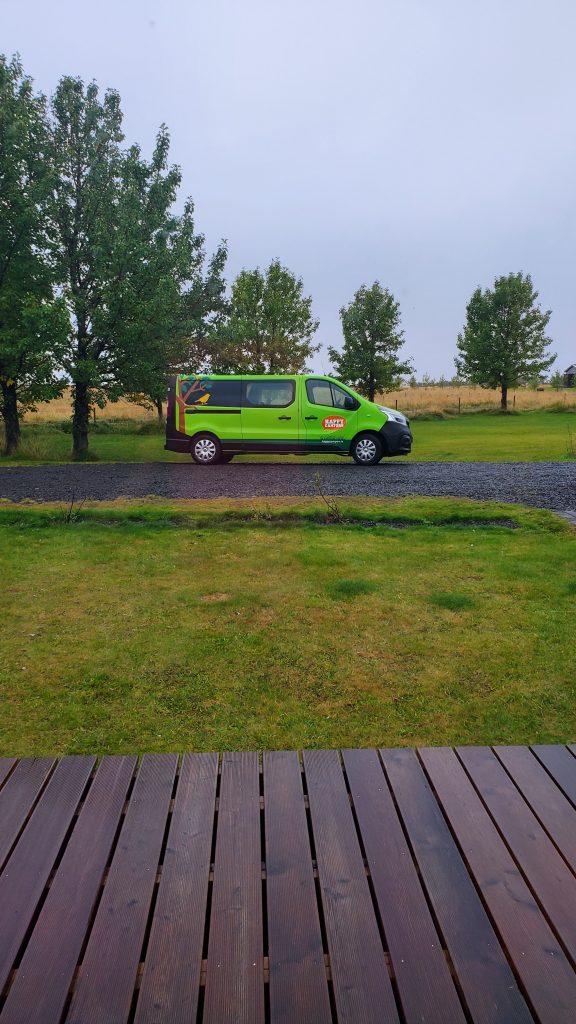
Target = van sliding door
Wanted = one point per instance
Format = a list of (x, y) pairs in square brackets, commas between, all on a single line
[(270, 413)]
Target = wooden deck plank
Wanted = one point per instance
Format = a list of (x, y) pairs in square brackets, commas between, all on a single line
[(561, 765), (17, 799), (556, 813), (235, 967), (455, 870), (27, 871), (170, 984), (426, 989), (362, 989), (40, 989), (298, 984), (6, 766), (546, 871), (105, 986), (487, 982), (546, 974)]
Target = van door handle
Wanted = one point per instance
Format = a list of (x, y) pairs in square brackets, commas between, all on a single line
[(284, 417), (310, 417)]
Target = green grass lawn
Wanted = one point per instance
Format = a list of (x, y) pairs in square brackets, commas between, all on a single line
[(524, 436), (256, 625)]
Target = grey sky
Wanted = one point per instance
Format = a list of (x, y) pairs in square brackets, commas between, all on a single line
[(428, 144)]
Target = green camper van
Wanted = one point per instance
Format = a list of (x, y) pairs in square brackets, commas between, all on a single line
[(214, 418)]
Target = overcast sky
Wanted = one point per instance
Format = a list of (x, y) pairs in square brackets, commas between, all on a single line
[(429, 144)]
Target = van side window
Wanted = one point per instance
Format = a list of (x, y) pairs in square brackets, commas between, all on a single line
[(323, 392), (338, 397), (209, 392), (269, 394)]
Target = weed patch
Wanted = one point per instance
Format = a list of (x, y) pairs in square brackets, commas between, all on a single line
[(453, 602), (351, 588)]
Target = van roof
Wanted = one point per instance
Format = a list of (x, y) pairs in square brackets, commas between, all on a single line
[(258, 376)]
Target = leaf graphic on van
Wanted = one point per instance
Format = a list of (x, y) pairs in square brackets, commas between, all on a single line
[(196, 389)]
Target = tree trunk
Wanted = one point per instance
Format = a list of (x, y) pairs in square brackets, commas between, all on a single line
[(80, 421), (159, 409), (504, 398), (10, 417), (371, 391)]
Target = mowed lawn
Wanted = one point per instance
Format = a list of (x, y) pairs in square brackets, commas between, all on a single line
[(525, 436), (208, 626)]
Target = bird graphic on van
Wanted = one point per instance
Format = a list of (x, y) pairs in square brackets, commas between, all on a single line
[(334, 423)]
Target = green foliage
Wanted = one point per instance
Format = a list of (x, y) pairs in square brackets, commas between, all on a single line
[(270, 325), (32, 321), (504, 341), (369, 360), (557, 380), (131, 270)]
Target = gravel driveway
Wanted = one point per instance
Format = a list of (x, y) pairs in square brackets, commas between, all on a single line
[(544, 484)]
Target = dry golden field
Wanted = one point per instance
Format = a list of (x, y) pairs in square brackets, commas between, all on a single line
[(61, 409), (414, 401), (421, 400)]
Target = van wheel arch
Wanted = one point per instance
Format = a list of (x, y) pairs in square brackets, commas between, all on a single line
[(212, 452), (373, 435)]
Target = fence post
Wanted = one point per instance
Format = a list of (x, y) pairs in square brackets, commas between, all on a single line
[(459, 404), (396, 403), (514, 402)]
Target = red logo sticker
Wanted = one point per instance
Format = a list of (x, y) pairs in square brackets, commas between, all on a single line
[(334, 423)]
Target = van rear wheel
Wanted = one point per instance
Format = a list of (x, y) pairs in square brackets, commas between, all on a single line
[(206, 450), (366, 450)]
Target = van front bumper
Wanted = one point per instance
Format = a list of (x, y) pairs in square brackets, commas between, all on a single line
[(397, 438)]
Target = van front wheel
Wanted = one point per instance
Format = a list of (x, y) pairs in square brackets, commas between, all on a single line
[(206, 450), (366, 450)]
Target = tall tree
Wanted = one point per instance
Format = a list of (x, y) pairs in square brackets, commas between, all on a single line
[(124, 257), (504, 341), (369, 360), (270, 326), (161, 298), (200, 309), (32, 322)]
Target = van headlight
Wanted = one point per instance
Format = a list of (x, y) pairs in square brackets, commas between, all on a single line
[(394, 415)]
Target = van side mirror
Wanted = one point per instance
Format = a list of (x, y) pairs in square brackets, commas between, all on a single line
[(350, 403)]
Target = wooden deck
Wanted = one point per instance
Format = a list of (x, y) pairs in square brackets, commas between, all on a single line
[(382, 886)]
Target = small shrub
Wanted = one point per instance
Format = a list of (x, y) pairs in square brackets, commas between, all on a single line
[(115, 426), (152, 427), (561, 407), (34, 448)]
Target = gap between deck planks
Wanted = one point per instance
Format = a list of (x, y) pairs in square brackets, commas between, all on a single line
[(431, 886)]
